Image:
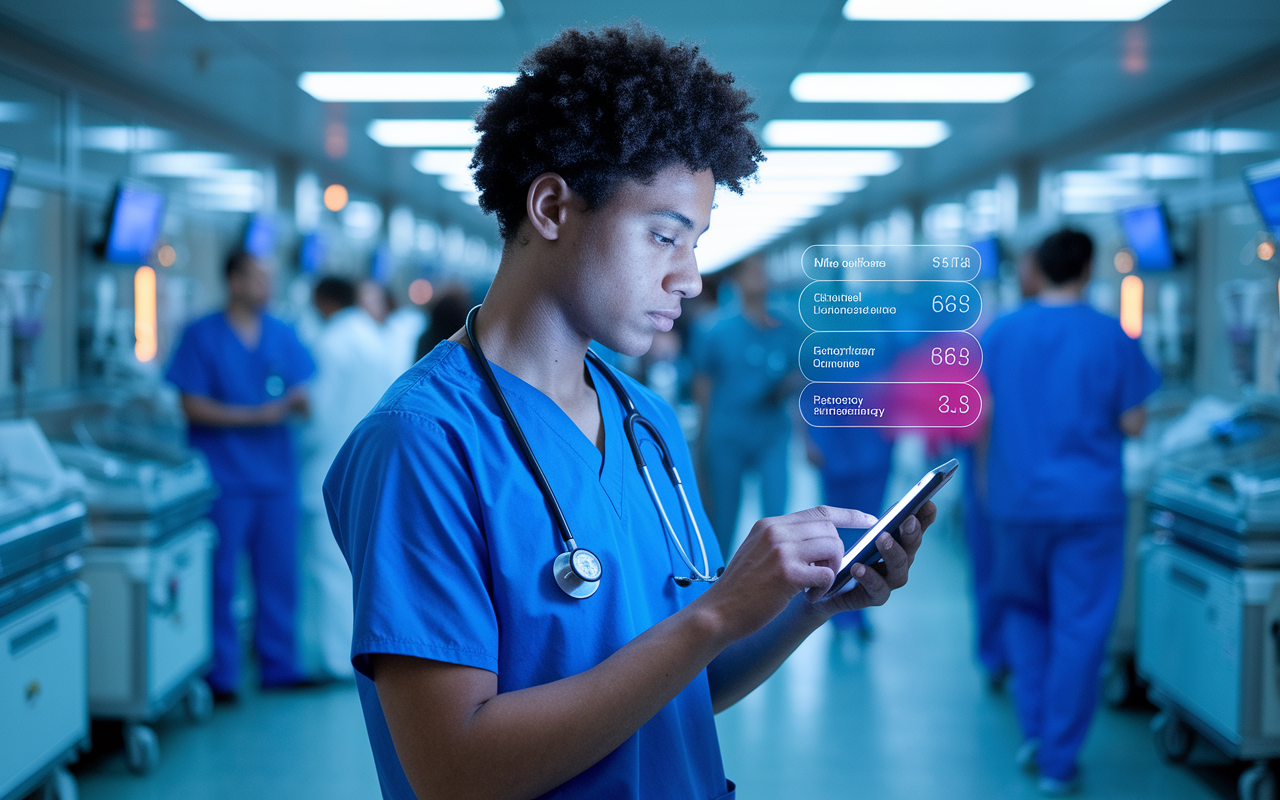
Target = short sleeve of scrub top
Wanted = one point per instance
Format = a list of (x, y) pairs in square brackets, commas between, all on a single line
[(450, 544)]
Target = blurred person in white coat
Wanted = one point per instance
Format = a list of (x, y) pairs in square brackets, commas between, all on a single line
[(353, 369), (400, 326)]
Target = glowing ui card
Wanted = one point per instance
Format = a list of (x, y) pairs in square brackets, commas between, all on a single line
[(890, 346)]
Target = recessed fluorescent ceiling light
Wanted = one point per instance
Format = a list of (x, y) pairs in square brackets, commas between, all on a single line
[(1224, 140), (827, 163), (1003, 10), (443, 162), (458, 183), (855, 133), (402, 87), (424, 132), (343, 10), (1155, 166), (786, 185), (909, 87), (184, 164)]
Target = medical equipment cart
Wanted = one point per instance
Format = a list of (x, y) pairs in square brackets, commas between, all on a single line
[(1209, 605), (43, 701), (149, 570)]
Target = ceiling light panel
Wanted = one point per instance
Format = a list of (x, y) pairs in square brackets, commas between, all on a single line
[(443, 162), (344, 10), (827, 163), (909, 87), (855, 133), (1002, 10), (424, 132), (403, 87)]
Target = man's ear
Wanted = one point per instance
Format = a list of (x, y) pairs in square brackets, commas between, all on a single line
[(548, 204)]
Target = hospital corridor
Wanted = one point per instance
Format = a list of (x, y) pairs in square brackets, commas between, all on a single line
[(911, 700), (639, 400)]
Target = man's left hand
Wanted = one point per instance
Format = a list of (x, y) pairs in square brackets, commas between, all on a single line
[(875, 582)]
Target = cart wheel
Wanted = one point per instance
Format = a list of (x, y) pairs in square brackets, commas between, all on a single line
[(141, 748), (61, 785), (1173, 737), (1257, 783), (1117, 682), (199, 701)]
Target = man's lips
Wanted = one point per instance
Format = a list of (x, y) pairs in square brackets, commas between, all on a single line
[(664, 320)]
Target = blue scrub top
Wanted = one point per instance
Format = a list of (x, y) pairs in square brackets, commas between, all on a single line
[(450, 545), (745, 364), (211, 361), (1060, 378)]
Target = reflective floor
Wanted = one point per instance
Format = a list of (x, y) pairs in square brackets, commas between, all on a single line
[(905, 715)]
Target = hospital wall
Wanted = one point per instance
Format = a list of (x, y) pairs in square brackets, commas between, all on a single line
[(78, 141)]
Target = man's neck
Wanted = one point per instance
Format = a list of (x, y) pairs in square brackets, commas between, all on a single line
[(246, 321), (1065, 294), (753, 308), (524, 330)]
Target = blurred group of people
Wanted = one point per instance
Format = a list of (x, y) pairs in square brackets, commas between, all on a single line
[(1043, 502), (269, 407)]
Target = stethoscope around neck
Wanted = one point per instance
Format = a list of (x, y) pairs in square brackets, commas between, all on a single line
[(578, 570)]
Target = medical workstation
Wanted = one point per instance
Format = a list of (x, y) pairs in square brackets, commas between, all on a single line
[(1038, 237)]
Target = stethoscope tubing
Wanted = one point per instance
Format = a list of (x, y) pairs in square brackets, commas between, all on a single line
[(632, 419)]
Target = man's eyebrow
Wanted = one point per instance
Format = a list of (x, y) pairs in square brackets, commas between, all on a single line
[(675, 215)]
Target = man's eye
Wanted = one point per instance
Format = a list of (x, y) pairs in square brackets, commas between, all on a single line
[(663, 239)]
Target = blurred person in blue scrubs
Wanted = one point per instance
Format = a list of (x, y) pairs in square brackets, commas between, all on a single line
[(745, 374), (1067, 386), (854, 464), (478, 675), (353, 369), (241, 373)]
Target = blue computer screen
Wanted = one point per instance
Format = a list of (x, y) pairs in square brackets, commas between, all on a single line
[(135, 224), (312, 253), (989, 251), (1264, 185), (8, 163), (1148, 233), (260, 236)]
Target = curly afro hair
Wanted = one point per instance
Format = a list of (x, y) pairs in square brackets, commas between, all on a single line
[(598, 107)]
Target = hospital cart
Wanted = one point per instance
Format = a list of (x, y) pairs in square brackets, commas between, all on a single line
[(1209, 602), (1120, 683), (149, 570), (44, 720)]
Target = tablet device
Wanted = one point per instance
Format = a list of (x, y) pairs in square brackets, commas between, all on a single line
[(864, 550)]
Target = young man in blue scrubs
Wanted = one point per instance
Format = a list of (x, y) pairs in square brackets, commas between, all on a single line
[(479, 677), (1067, 386), (241, 373)]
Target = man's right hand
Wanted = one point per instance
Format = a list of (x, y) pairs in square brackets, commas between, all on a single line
[(781, 557)]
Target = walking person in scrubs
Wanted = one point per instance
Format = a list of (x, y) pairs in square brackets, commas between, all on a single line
[(745, 374), (1067, 386), (353, 369), (479, 674), (241, 374), (854, 464)]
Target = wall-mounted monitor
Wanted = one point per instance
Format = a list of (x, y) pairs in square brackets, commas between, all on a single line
[(260, 236), (8, 166), (312, 252), (989, 251), (1147, 229), (1264, 185), (137, 212)]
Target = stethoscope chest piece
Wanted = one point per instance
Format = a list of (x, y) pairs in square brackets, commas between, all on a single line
[(578, 572)]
